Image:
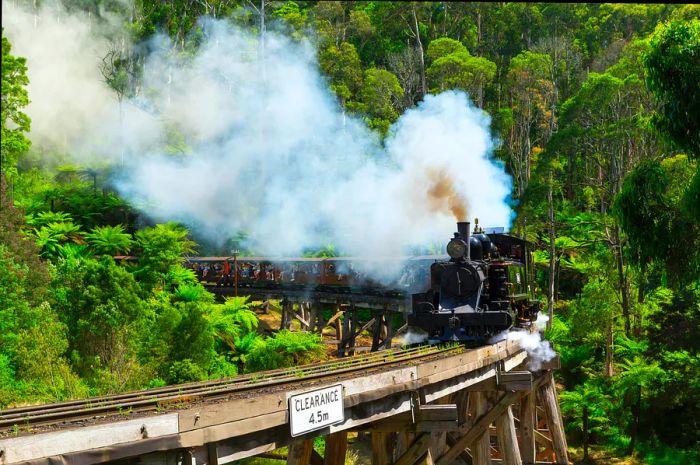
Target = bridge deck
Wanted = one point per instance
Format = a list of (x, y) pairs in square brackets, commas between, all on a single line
[(254, 421), (394, 302)]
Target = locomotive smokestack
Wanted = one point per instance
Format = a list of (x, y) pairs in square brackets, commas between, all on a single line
[(463, 230)]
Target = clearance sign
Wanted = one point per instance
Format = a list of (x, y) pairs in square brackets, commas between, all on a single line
[(317, 409)]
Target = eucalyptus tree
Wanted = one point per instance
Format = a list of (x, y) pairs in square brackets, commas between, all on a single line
[(341, 64), (531, 93), (453, 67), (380, 97), (673, 74), (15, 123)]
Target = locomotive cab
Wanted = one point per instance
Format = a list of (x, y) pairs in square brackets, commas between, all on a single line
[(511, 278)]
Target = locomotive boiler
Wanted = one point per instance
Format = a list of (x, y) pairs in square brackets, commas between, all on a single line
[(483, 289)]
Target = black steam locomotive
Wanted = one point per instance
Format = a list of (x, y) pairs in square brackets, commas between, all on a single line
[(483, 289)]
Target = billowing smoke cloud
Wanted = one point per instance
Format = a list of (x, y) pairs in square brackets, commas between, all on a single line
[(258, 143), (71, 108)]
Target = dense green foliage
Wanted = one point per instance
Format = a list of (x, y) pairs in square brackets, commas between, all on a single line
[(673, 74), (596, 110), (15, 123)]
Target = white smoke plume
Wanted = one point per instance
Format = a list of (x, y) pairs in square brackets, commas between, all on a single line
[(72, 109), (538, 350), (261, 144)]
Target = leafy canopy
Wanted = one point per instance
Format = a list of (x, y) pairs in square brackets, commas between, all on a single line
[(673, 74), (15, 123)]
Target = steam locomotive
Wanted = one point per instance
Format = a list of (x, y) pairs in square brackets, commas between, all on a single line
[(481, 287), (484, 288)]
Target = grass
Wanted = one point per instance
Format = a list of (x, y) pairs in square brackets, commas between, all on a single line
[(647, 455)]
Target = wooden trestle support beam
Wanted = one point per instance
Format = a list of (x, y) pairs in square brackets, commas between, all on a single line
[(474, 407), (345, 323), (457, 429)]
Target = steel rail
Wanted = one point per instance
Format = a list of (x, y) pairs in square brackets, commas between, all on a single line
[(270, 374), (155, 402)]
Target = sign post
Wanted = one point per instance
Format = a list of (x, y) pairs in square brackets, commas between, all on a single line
[(317, 409)]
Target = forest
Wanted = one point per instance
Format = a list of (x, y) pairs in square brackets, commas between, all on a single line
[(594, 113)]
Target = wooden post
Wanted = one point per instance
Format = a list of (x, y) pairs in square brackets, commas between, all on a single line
[(336, 448), (300, 315), (481, 447), (403, 441), (287, 314), (527, 428), (507, 440), (300, 452), (345, 334), (461, 399), (212, 456), (388, 320), (438, 439), (554, 420), (377, 329), (317, 317), (382, 448), (351, 330), (283, 322), (337, 323), (187, 457), (384, 330), (480, 429)]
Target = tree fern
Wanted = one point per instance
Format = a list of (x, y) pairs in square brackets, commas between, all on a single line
[(109, 240)]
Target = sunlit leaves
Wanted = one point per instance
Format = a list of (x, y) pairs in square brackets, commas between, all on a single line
[(233, 320), (591, 396), (161, 248), (15, 123), (453, 67), (53, 236), (109, 240), (379, 98), (284, 349)]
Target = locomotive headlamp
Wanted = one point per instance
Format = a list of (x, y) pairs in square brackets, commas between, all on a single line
[(456, 248)]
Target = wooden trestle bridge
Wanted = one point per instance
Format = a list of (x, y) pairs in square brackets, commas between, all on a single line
[(422, 405), (306, 307)]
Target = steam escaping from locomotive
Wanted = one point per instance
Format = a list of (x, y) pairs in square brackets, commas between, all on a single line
[(411, 336), (256, 142), (539, 350)]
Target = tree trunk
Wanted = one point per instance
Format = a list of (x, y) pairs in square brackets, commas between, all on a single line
[(552, 253), (640, 300), (608, 350), (585, 432), (424, 89), (444, 18), (623, 284), (636, 407)]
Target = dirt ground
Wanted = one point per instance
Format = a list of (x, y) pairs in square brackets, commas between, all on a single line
[(601, 457)]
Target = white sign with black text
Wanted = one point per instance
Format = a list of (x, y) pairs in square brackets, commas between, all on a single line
[(317, 409)]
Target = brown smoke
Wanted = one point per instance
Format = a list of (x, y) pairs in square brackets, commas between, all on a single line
[(443, 195)]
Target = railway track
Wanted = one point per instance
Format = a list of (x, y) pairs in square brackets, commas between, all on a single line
[(78, 412)]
